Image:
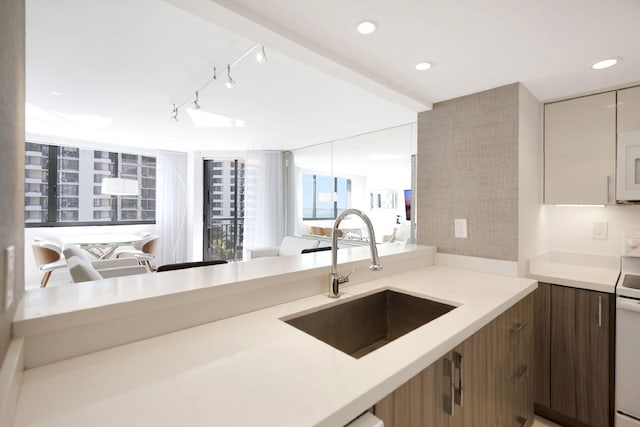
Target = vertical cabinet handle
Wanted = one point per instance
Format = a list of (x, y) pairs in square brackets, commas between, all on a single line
[(599, 311), (458, 363), (448, 402), (608, 189)]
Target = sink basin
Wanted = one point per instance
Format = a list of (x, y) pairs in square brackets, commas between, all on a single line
[(365, 324)]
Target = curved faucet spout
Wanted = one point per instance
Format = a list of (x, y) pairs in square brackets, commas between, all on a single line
[(335, 279)]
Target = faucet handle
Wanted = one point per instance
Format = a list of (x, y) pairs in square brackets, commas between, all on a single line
[(344, 278)]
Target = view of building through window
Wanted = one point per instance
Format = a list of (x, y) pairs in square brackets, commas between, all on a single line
[(64, 185), (224, 182), (324, 197)]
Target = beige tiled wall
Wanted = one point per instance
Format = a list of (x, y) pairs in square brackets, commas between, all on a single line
[(468, 168), (12, 157)]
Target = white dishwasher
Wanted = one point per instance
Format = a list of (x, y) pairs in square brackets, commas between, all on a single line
[(628, 335)]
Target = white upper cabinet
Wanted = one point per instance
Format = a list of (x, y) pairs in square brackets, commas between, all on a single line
[(580, 150), (628, 166), (629, 110)]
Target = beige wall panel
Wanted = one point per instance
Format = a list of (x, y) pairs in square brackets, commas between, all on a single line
[(468, 168), (12, 158)]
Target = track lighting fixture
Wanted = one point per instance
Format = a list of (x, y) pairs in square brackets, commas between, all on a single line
[(196, 105), (261, 56), (230, 82)]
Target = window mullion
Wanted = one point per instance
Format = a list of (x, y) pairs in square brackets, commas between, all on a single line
[(235, 210), (52, 193), (314, 214), (116, 174)]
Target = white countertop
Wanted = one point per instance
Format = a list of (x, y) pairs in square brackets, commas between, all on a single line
[(43, 303), (255, 370), (585, 271)]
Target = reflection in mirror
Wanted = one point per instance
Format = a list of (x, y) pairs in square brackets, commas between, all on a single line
[(383, 199), (371, 172)]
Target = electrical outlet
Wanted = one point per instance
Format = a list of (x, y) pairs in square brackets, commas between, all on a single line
[(599, 230), (8, 274), (460, 228)]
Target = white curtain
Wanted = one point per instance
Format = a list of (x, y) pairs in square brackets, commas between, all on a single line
[(171, 207), (264, 203)]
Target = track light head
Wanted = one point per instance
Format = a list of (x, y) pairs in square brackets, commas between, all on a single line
[(230, 82), (261, 55), (196, 105)]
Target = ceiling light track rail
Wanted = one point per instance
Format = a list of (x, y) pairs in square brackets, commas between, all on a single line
[(261, 57)]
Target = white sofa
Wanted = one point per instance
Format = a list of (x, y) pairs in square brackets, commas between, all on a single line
[(83, 268), (290, 245)]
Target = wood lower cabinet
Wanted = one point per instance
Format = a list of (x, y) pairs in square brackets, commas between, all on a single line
[(485, 381), (574, 351)]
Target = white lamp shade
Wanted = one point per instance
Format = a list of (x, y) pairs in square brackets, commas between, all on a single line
[(120, 186)]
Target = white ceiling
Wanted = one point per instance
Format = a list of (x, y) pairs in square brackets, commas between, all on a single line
[(548, 45), (131, 60)]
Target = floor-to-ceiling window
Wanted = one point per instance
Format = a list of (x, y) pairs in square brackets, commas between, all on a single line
[(224, 184), (63, 186)]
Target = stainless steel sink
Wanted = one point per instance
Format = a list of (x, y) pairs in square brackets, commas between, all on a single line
[(365, 324)]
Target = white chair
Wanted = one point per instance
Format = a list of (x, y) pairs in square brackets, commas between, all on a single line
[(290, 246), (144, 250), (400, 235), (48, 256), (82, 270), (135, 246), (99, 264)]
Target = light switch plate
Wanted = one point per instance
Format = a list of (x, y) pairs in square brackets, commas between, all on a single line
[(599, 230), (460, 228), (8, 274)]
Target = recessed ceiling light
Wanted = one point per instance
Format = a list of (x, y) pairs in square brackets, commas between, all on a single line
[(605, 63), (366, 27), (423, 66), (55, 93)]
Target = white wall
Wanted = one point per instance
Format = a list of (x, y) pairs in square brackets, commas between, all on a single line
[(532, 239), (195, 200), (569, 228)]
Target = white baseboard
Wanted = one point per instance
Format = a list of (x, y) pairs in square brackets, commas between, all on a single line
[(480, 265), (10, 380)]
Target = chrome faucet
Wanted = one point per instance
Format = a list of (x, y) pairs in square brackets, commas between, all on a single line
[(335, 279)]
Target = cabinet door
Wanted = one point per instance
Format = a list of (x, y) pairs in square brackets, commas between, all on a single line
[(628, 176), (420, 401), (629, 110), (509, 367), (580, 150), (483, 382), (522, 331), (497, 377), (580, 355), (542, 344)]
